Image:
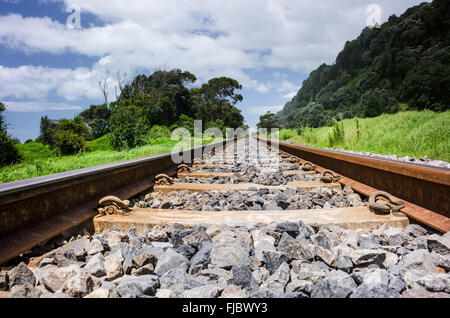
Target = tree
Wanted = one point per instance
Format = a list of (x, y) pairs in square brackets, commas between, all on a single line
[(67, 136), (97, 118), (221, 91), (129, 126), (47, 128), (269, 121), (9, 154)]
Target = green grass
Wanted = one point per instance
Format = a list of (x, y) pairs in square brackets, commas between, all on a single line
[(40, 160), (409, 133)]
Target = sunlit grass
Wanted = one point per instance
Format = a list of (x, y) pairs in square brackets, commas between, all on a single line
[(409, 133), (41, 161)]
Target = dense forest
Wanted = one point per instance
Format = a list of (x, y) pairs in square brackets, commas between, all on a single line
[(401, 65)]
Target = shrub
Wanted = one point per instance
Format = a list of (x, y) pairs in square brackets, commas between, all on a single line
[(160, 131), (8, 151), (286, 134), (69, 143), (337, 135), (129, 127)]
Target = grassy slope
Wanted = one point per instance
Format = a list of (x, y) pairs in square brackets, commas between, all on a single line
[(408, 133), (40, 160)]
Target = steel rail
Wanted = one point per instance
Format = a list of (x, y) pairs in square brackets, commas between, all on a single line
[(35, 210), (425, 190)]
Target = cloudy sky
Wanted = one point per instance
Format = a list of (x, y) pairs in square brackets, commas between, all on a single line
[(51, 67)]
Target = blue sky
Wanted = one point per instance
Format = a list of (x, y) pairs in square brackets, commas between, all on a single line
[(269, 46)]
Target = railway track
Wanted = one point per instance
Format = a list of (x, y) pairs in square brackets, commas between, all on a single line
[(257, 192)]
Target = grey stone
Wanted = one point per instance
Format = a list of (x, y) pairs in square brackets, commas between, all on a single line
[(20, 275), (164, 293), (324, 254), (95, 247), (144, 259), (297, 285), (262, 242), (367, 257), (441, 261), (113, 268), (307, 271), (436, 282), (260, 275), (423, 293), (157, 234), (136, 287), (54, 278), (144, 270), (243, 277), (170, 259), (374, 277), (4, 282), (79, 247), (114, 238), (342, 259), (290, 228), (207, 291), (186, 250), (157, 251), (394, 237), (47, 261), (273, 259), (177, 237), (338, 284), (396, 283), (367, 242), (55, 295), (321, 240), (25, 290), (420, 260), (277, 282), (303, 232), (196, 238), (96, 265), (127, 251), (295, 249), (233, 291), (438, 244), (178, 280), (415, 230), (79, 285), (270, 207), (135, 242), (376, 291), (418, 243), (128, 266), (66, 258), (203, 256), (215, 273), (230, 253)]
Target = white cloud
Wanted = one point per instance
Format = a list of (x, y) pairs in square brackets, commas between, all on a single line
[(209, 38), (261, 110), (289, 95), (38, 106)]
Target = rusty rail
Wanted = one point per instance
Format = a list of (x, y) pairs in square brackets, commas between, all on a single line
[(35, 210), (425, 190)]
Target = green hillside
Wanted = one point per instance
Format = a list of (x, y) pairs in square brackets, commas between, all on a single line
[(402, 65)]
